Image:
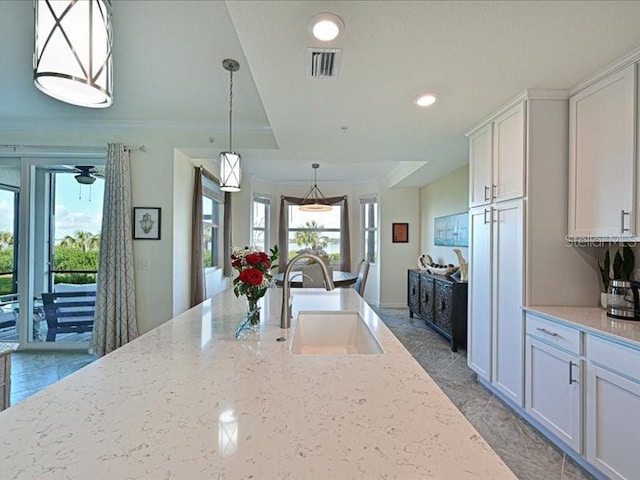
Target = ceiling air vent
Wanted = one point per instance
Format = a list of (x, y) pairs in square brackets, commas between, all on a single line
[(323, 63)]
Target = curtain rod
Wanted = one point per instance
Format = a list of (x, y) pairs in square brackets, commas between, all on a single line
[(17, 147)]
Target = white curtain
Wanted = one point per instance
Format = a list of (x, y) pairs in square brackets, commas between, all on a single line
[(115, 319)]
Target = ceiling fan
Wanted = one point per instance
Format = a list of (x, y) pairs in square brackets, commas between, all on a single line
[(85, 174)]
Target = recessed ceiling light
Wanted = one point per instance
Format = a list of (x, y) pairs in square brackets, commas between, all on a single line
[(326, 26), (426, 99)]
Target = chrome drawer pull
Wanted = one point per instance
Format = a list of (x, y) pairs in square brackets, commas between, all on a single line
[(544, 330)]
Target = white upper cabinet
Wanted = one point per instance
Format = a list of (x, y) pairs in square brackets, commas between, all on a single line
[(603, 157), (480, 160), (508, 154), (496, 158)]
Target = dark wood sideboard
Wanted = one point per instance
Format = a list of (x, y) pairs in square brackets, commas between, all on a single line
[(441, 302)]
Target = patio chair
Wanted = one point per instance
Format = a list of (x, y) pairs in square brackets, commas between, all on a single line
[(68, 312)]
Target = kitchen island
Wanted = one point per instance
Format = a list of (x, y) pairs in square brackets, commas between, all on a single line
[(188, 401)]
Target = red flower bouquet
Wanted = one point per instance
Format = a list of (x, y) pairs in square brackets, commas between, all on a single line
[(254, 267)]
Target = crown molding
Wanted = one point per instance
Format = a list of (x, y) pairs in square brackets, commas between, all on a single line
[(529, 94), (631, 57), (26, 124)]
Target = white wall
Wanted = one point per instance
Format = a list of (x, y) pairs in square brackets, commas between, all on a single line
[(398, 205), (446, 196)]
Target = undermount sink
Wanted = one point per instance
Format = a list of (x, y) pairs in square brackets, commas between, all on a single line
[(337, 333)]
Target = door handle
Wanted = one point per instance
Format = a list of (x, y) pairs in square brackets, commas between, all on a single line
[(486, 193), (622, 215), (493, 191), (571, 380), (487, 210)]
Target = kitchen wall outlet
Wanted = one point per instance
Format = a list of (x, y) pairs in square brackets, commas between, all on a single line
[(143, 264)]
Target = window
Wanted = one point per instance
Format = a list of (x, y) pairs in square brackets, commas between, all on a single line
[(212, 216), (315, 230), (260, 221), (76, 221), (369, 224), (9, 201)]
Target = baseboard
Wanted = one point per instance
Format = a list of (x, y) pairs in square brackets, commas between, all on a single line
[(579, 459), (393, 305)]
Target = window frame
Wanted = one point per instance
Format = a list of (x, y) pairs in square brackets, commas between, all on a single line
[(211, 191), (338, 230), (16, 224), (364, 201), (266, 229)]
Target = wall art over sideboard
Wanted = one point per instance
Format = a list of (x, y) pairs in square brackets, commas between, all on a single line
[(451, 230)]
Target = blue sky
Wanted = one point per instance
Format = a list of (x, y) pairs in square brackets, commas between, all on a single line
[(78, 207)]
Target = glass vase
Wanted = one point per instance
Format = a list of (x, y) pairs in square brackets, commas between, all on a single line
[(251, 322)]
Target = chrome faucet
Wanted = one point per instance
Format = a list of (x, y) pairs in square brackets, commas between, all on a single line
[(285, 317)]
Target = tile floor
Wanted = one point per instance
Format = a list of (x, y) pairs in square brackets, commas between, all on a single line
[(526, 452), (529, 455)]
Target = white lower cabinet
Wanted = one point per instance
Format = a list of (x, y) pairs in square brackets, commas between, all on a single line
[(553, 380), (613, 408)]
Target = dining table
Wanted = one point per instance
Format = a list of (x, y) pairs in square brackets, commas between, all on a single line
[(340, 279)]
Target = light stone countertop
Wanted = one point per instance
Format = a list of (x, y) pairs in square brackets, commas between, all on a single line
[(189, 401), (6, 347), (593, 319)]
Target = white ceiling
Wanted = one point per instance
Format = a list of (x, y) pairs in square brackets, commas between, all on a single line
[(476, 55)]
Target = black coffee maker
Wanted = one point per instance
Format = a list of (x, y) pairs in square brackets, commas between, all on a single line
[(623, 300)]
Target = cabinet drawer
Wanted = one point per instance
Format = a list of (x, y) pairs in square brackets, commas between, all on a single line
[(623, 359), (554, 333)]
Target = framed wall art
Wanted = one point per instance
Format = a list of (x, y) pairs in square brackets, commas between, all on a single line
[(146, 223), (451, 230), (400, 232)]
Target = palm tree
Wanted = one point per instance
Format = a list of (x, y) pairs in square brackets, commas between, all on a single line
[(310, 237), (6, 240), (85, 241)]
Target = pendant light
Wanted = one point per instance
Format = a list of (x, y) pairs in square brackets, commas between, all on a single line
[(230, 172), (309, 202), (72, 56)]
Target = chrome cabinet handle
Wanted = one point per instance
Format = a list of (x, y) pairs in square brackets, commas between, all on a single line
[(486, 193), (544, 330), (493, 191), (622, 214), (487, 210), (571, 380)]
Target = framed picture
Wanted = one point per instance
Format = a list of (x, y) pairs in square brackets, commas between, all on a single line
[(400, 232), (451, 230), (146, 223)]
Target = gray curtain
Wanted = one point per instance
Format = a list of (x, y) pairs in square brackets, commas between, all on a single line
[(283, 240), (227, 243), (115, 318), (197, 265)]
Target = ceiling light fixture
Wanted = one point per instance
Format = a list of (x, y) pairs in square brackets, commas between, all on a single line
[(310, 202), (426, 100), (72, 56), (230, 172), (326, 26)]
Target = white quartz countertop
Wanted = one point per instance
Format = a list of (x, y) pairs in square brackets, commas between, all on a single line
[(593, 319), (189, 401)]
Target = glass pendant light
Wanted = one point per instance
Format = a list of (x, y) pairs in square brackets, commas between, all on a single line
[(72, 56), (310, 202), (230, 172)]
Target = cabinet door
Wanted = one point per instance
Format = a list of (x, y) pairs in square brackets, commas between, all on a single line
[(413, 294), (480, 154), (613, 423), (443, 306), (508, 331), (601, 167), (479, 299), (426, 297), (509, 154), (553, 391)]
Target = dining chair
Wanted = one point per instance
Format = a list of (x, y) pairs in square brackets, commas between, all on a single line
[(312, 276), (361, 281)]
